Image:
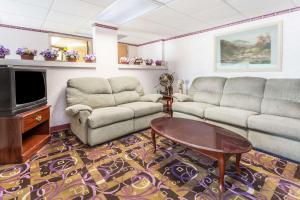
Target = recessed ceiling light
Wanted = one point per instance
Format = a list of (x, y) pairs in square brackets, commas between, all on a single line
[(122, 11)]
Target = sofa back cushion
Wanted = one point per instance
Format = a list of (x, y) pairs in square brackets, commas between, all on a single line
[(207, 89), (244, 93), (282, 98), (94, 92), (126, 89)]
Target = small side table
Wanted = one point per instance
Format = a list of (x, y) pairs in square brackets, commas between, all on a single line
[(169, 100)]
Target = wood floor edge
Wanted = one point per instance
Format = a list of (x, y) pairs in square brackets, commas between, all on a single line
[(61, 127)]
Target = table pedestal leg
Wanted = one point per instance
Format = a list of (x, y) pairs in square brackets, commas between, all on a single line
[(221, 164), (237, 163), (153, 139)]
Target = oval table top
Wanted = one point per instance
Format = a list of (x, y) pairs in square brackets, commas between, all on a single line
[(201, 135)]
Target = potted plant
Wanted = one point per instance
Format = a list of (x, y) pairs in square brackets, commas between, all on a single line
[(149, 61), (72, 55), (158, 63), (49, 55), (124, 60), (3, 51), (89, 58), (26, 54), (138, 61)]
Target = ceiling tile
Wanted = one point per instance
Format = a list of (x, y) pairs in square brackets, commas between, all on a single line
[(64, 18), (103, 3), (297, 2), (133, 40), (255, 8), (21, 9), (144, 25), (219, 14), (168, 17), (192, 6), (41, 3), (77, 7), (16, 20)]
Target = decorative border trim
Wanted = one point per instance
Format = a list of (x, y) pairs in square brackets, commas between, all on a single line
[(41, 31), (151, 42), (282, 12), (135, 45), (105, 26), (61, 127)]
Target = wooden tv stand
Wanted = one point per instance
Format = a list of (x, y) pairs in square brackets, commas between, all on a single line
[(23, 135)]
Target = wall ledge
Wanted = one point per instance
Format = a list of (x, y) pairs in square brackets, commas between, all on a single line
[(141, 67), (47, 64)]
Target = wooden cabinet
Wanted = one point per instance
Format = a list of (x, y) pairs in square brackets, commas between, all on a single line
[(23, 135)]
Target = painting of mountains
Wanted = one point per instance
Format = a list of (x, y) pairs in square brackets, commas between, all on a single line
[(251, 49), (238, 51)]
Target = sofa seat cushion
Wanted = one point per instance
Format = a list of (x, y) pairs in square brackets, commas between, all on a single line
[(104, 116), (143, 108), (276, 125), (191, 108), (233, 116)]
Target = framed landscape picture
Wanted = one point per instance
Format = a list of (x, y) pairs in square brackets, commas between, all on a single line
[(255, 49)]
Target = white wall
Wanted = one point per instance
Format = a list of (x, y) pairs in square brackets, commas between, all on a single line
[(193, 56), (14, 38), (57, 77), (151, 51), (132, 51)]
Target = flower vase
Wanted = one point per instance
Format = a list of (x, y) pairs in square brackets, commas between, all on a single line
[(50, 59), (72, 59), (2, 57), (27, 57)]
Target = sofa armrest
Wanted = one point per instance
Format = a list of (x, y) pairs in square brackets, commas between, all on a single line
[(151, 97), (75, 109), (182, 97)]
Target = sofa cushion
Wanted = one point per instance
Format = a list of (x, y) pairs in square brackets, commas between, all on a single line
[(126, 97), (192, 108), (143, 108), (207, 89), (244, 93), (91, 85), (182, 97), (151, 97), (94, 92), (276, 125), (126, 83), (282, 98), (233, 116), (75, 96), (104, 116)]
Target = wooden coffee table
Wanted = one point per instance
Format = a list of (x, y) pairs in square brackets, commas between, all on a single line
[(213, 141)]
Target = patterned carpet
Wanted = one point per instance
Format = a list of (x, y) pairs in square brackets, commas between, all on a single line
[(127, 169)]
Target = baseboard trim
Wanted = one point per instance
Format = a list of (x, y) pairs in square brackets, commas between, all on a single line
[(61, 127)]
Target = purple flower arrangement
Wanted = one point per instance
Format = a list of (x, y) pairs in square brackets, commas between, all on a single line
[(72, 55), (89, 58), (49, 54), (26, 54), (158, 63), (26, 51), (3, 51)]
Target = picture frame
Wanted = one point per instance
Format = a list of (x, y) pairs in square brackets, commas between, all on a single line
[(256, 49)]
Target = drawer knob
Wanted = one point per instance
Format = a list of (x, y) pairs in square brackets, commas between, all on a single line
[(38, 118)]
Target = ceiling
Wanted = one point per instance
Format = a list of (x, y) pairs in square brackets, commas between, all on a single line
[(171, 18)]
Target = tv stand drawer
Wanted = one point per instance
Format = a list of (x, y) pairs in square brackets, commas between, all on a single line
[(34, 118)]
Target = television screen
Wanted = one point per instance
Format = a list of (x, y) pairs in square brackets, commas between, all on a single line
[(30, 86)]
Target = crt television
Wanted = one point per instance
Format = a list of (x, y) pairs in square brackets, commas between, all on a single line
[(21, 89)]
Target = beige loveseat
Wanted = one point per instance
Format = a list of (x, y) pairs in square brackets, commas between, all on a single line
[(103, 109), (266, 111)]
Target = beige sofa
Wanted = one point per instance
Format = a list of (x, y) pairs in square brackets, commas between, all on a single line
[(266, 111), (103, 109)]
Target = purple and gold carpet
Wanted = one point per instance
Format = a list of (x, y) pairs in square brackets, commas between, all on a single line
[(127, 169)]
